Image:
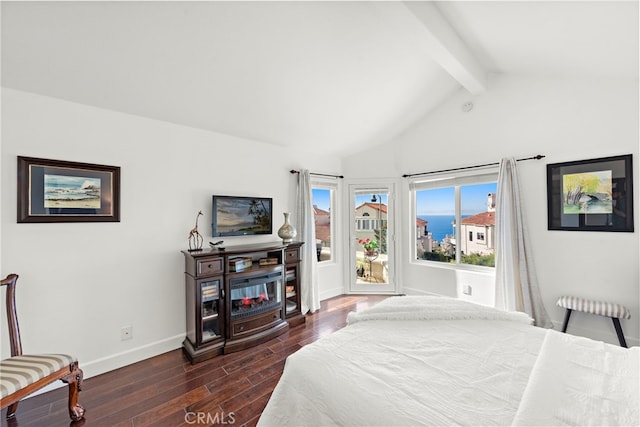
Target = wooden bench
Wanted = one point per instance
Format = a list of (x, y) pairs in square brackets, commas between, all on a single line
[(600, 308)]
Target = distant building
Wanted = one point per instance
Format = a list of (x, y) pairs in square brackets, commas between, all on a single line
[(371, 217), (323, 230), (477, 232), (424, 238), (322, 217)]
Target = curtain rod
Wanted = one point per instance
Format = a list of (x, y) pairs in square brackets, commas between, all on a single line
[(536, 157), (318, 174)]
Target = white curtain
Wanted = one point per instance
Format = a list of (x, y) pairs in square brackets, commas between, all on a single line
[(516, 283), (310, 294)]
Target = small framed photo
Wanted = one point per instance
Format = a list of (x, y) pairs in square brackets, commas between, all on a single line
[(591, 195), (61, 191)]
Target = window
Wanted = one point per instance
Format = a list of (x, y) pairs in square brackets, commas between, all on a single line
[(363, 224), (323, 200), (459, 213)]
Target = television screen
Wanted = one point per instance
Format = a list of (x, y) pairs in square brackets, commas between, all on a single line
[(241, 216)]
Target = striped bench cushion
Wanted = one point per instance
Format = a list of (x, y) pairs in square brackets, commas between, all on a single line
[(601, 308), (19, 371)]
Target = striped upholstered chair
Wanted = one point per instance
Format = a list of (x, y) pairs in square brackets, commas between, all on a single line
[(22, 374)]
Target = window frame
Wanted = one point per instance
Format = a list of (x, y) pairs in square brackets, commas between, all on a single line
[(330, 184), (456, 180)]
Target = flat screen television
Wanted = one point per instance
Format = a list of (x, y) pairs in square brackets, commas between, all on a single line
[(242, 216)]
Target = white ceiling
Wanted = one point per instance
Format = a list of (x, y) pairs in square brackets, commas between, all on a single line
[(325, 76)]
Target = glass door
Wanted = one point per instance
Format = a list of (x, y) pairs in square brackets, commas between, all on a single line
[(372, 246), (210, 310)]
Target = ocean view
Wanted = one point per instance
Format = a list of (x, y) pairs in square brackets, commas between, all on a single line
[(439, 225)]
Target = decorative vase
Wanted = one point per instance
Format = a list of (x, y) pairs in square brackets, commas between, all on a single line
[(287, 232)]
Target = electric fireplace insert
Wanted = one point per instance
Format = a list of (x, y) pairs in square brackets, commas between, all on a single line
[(255, 294)]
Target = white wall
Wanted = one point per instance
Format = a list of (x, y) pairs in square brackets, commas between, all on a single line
[(518, 116), (81, 282)]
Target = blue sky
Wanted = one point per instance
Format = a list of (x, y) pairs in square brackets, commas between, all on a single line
[(361, 198), (321, 198), (438, 201), (441, 201)]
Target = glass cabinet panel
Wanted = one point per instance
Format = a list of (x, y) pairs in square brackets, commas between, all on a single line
[(210, 297), (291, 289)]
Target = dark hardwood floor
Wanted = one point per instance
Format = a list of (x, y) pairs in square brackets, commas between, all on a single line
[(167, 390)]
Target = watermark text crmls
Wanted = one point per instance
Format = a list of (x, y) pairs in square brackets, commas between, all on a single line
[(208, 418)]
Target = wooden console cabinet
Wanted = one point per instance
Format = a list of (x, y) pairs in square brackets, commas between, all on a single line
[(240, 296)]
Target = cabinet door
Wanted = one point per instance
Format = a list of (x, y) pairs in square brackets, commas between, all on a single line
[(292, 280), (292, 289), (210, 314)]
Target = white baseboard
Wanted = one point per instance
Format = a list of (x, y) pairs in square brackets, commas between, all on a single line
[(598, 335), (118, 360), (330, 293), (605, 335), (415, 291), (114, 361)]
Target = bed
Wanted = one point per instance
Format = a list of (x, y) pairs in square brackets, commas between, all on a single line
[(442, 361)]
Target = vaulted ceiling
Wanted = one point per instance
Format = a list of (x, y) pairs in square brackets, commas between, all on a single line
[(324, 76)]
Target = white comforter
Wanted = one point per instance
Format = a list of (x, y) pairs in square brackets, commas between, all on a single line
[(434, 308), (580, 382), (458, 371), (420, 361)]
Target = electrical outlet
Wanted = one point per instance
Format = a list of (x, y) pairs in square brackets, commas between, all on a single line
[(126, 333), (466, 289)]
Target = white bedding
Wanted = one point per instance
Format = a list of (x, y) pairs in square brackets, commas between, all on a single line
[(420, 361), (434, 308), (580, 382), (408, 372)]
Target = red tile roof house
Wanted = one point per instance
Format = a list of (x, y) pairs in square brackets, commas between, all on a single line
[(477, 234), (323, 232)]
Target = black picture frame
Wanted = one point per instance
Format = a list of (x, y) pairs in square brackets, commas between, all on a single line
[(241, 216), (591, 195), (63, 191)]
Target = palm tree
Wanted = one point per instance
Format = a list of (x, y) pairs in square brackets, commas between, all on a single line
[(259, 212)]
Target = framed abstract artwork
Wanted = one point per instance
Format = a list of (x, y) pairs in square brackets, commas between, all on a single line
[(61, 191), (591, 195)]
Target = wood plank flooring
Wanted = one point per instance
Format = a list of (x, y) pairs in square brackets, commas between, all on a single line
[(167, 390)]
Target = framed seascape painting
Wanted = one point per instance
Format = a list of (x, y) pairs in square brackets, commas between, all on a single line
[(61, 191), (591, 195)]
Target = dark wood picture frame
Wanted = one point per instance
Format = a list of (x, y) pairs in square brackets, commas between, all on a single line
[(62, 191), (591, 195)]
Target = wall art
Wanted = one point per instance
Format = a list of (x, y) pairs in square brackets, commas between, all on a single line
[(591, 195), (62, 191)]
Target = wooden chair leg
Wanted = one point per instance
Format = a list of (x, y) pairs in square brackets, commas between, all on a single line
[(566, 320), (616, 324), (11, 410), (76, 411)]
